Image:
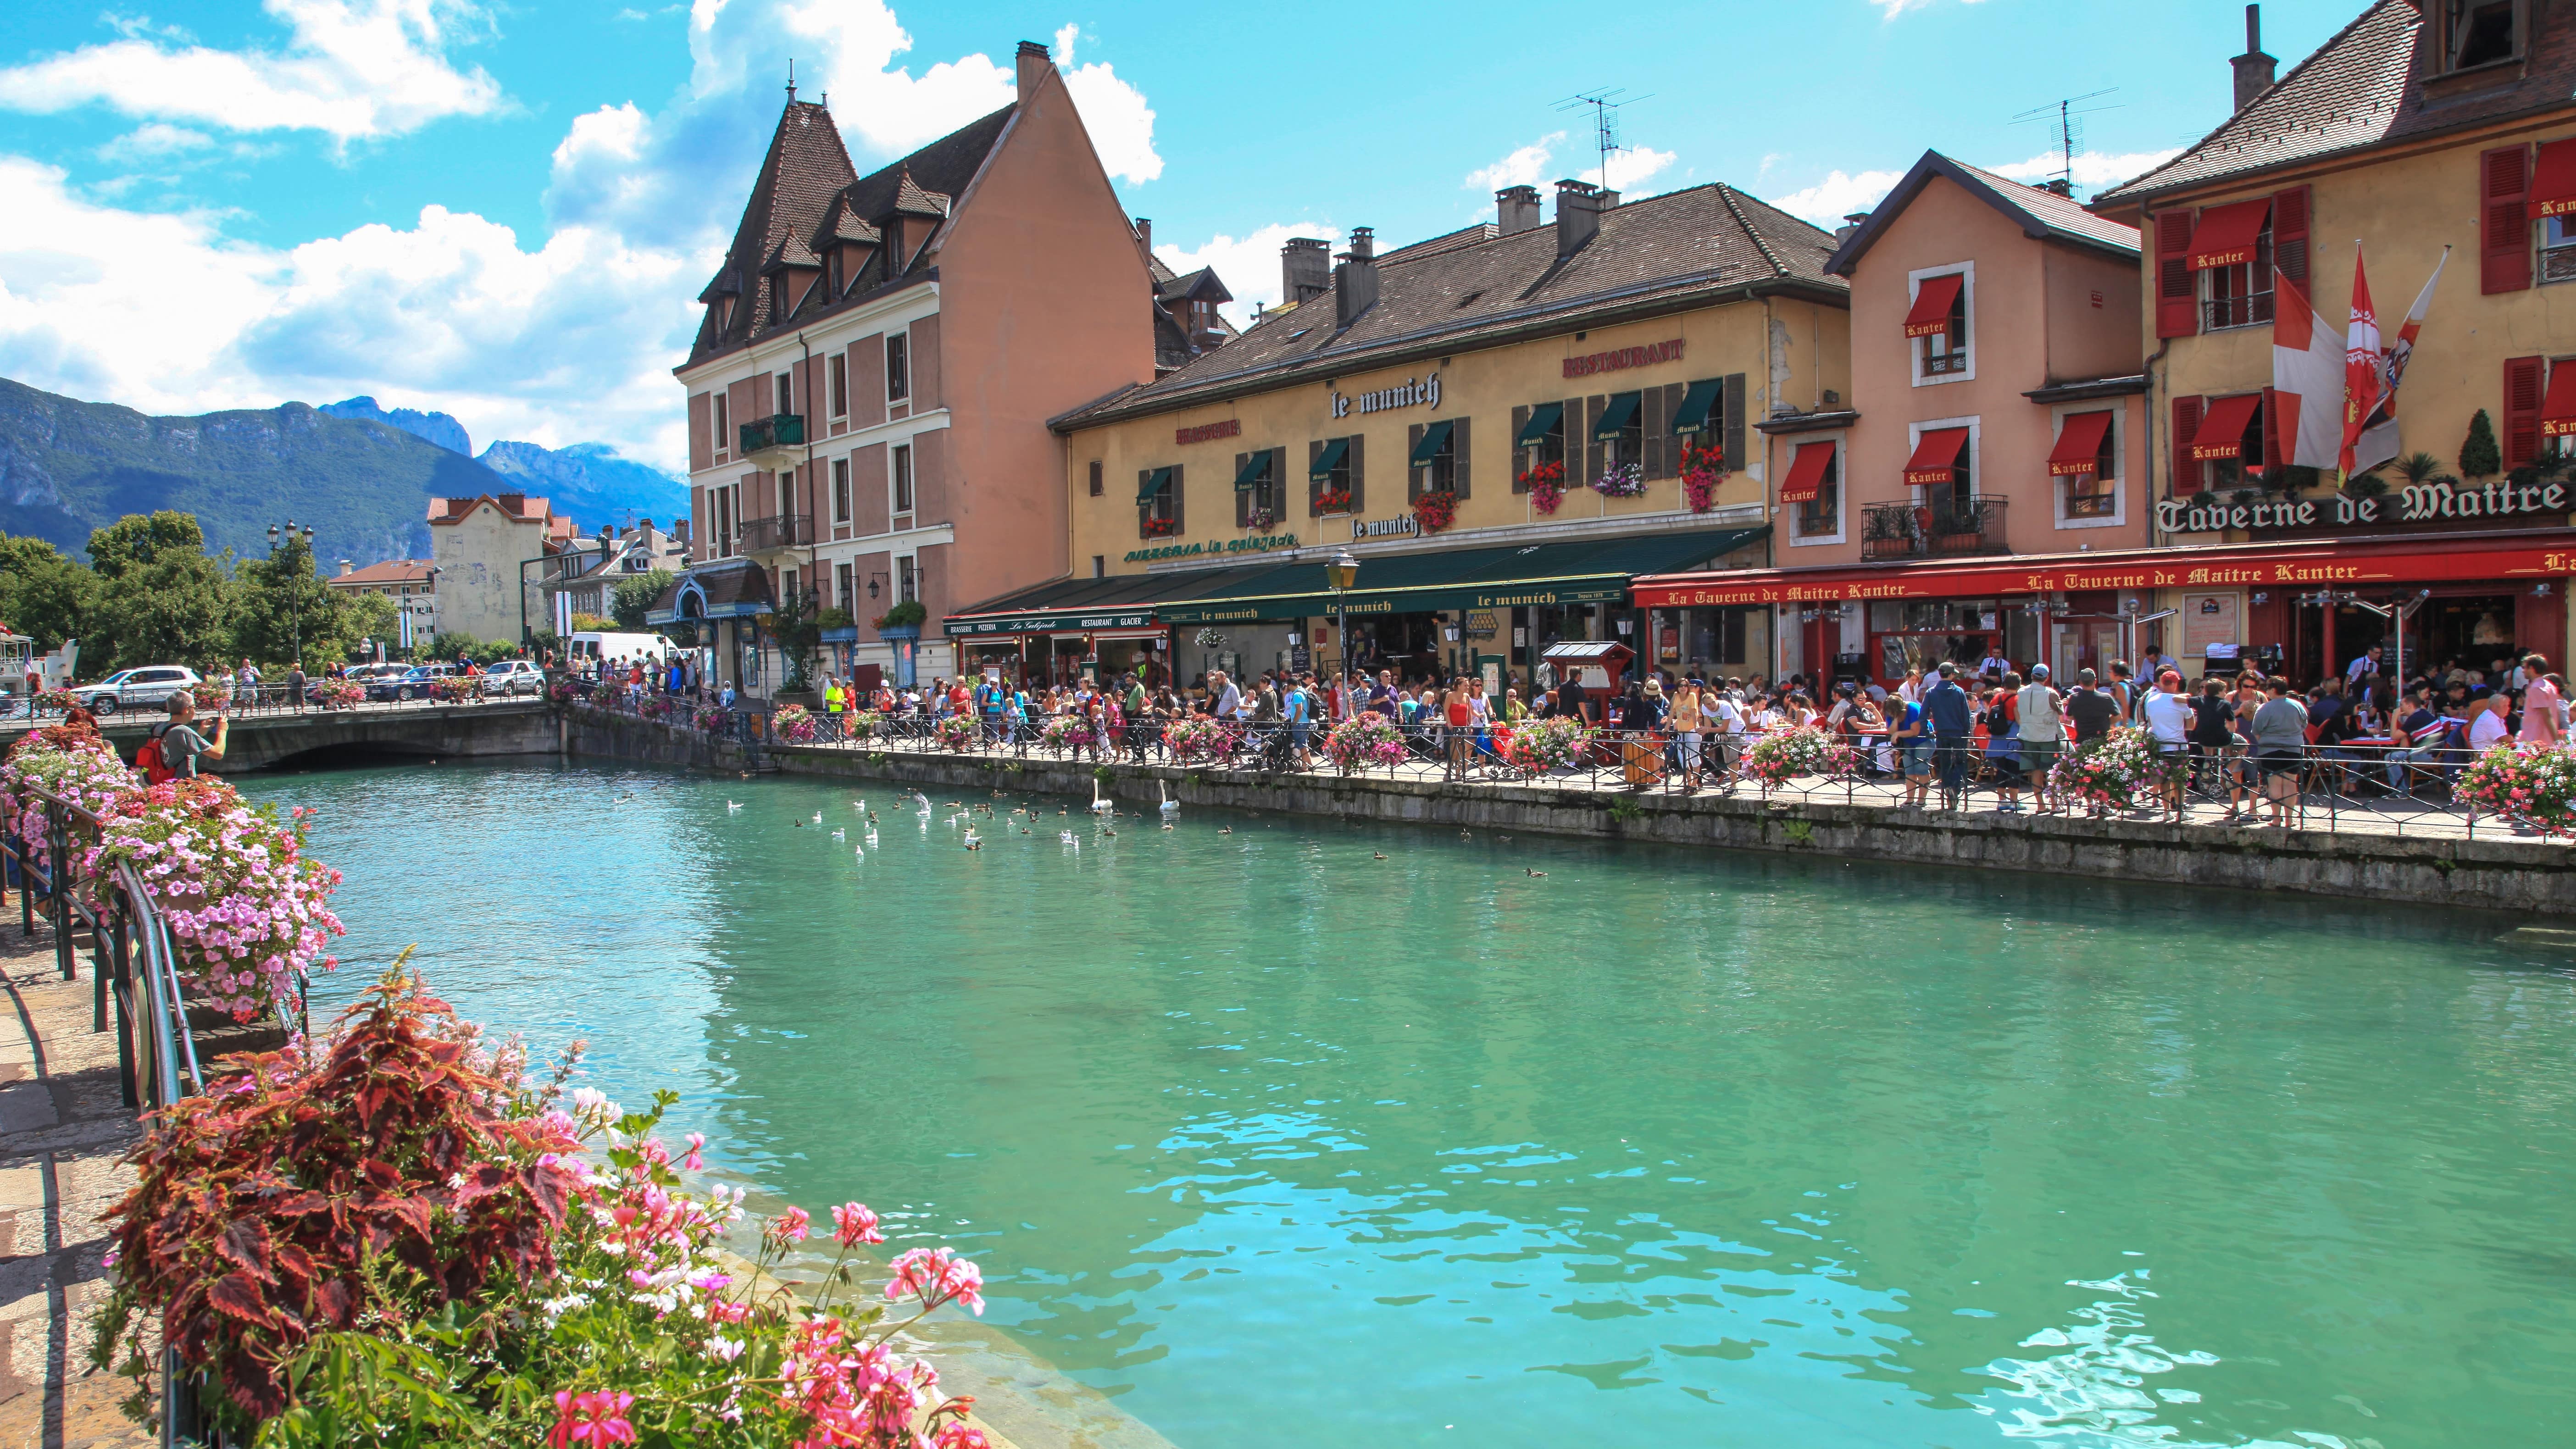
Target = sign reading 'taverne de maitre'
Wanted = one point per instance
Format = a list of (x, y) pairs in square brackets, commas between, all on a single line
[(2413, 503), (1623, 357)]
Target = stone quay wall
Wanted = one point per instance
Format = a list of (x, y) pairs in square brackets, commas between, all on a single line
[(2500, 874)]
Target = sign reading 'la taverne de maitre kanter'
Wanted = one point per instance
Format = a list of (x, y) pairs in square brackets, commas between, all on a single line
[(2415, 503)]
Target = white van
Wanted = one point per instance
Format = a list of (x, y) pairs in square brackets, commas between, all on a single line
[(590, 650)]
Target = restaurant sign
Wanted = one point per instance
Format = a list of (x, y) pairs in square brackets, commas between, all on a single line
[(1400, 526), (1405, 394), (2413, 503), (1259, 543), (1053, 623)]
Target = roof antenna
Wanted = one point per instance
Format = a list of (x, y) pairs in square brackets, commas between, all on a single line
[(2066, 128), (1605, 121), (791, 80)]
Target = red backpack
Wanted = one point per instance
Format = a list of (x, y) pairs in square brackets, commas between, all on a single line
[(149, 758)]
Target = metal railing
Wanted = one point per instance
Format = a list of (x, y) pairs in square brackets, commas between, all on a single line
[(265, 700), (779, 530), (1918, 530), (2353, 788), (778, 430)]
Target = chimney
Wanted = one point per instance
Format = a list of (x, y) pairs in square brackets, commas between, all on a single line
[(1034, 64), (2060, 185), (347, 568), (1851, 223), (513, 503), (1305, 270), (1145, 232), (2254, 69), (1355, 280), (1517, 209), (1578, 215)]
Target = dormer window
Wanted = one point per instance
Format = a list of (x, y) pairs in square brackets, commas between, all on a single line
[(2478, 32), (839, 284)]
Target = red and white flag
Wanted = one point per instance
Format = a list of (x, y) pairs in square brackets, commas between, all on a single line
[(2378, 442), (2307, 378), (2361, 364)]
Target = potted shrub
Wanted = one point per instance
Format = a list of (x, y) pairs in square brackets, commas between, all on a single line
[(903, 621), (837, 626)]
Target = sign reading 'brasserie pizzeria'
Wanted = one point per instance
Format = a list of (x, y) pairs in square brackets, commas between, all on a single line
[(2414, 503)]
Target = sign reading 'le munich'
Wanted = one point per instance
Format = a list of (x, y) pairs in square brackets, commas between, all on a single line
[(2414, 503), (1405, 394), (1624, 357)]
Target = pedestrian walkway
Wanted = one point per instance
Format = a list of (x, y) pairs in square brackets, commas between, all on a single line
[(63, 1127)]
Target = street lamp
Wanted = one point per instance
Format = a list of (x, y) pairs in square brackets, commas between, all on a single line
[(1340, 572), (287, 538)]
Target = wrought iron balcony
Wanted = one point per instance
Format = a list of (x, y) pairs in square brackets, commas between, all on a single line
[(774, 442), (1918, 530), (779, 530)]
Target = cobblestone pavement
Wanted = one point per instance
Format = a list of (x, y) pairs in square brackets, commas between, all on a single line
[(63, 1126)]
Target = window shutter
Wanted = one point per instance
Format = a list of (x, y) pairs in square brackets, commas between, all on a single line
[(1144, 511), (1243, 497), (1655, 412), (1520, 420), (1359, 457), (2522, 377), (2290, 234), (1459, 452), (2272, 458), (1314, 486), (1095, 477), (1592, 456), (2177, 290), (1413, 476), (2504, 229), (1277, 492), (1178, 498), (2187, 475), (1731, 398)]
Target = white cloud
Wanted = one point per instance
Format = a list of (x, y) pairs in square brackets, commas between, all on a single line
[(1828, 201), (1631, 168), (1249, 266), (1522, 167), (2092, 168), (352, 69), (1890, 9), (152, 141)]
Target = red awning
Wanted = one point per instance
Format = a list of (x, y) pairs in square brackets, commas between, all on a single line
[(2558, 405), (1932, 305), (2553, 180), (1936, 455), (2222, 428), (1807, 470), (2225, 236), (2079, 445)]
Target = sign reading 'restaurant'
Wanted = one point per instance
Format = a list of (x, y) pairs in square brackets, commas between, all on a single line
[(2414, 503), (1624, 357), (1209, 432)]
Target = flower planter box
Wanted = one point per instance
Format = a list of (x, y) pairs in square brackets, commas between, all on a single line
[(892, 632), (849, 635)]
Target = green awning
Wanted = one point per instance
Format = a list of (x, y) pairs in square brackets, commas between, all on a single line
[(1154, 484), (1582, 572), (1542, 421), (1329, 459), (1255, 471), (1692, 416), (1435, 436), (1615, 416)]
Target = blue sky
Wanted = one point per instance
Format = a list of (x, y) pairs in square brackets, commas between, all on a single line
[(502, 210)]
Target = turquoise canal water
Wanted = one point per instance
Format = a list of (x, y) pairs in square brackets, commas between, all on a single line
[(1283, 1144)]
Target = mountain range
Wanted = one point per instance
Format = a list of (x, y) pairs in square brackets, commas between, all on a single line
[(361, 476)]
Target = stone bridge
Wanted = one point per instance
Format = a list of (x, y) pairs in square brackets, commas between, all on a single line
[(430, 731)]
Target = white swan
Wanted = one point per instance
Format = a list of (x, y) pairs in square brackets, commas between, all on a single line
[(1067, 837), (732, 805), (840, 835), (861, 856), (1098, 804), (1170, 805)]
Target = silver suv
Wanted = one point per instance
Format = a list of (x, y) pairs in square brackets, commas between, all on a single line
[(514, 676), (135, 688)]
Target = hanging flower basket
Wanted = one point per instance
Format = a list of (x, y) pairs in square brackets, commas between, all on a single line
[(1197, 739), (1546, 485), (1337, 500), (657, 707), (707, 719), (957, 732), (2107, 776), (2525, 784), (70, 762), (1369, 739), (1435, 511), (1158, 528), (1069, 732), (861, 724), (1621, 480), (1702, 476), (793, 723), (341, 693), (1208, 639), (1261, 518), (1777, 759), (60, 701), (212, 694), (1539, 746)]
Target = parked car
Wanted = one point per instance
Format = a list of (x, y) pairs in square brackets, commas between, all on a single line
[(412, 683), (141, 688), (360, 674), (514, 676)]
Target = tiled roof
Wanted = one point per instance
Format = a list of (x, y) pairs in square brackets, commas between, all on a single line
[(843, 224), (806, 164), (1447, 241), (2356, 90), (1685, 243), (391, 571), (517, 505), (911, 200), (1174, 289), (2038, 211)]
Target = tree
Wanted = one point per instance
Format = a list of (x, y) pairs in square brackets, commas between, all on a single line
[(792, 626), (635, 594), (161, 599), (44, 595), (374, 618), (2479, 455), (283, 612)]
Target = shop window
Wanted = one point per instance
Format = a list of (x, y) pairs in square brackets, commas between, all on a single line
[(2478, 32), (902, 478), (839, 372), (898, 366), (840, 490), (2241, 295), (1822, 515), (2558, 249)]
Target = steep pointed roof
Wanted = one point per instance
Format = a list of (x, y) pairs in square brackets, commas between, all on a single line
[(2041, 214), (911, 200), (805, 167), (842, 223)]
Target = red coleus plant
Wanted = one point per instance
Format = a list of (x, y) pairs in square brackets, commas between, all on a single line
[(1703, 471), (1157, 527), (1435, 511), (366, 1180), (1545, 484), (1333, 500)]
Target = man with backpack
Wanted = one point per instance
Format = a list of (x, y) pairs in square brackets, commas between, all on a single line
[(175, 747)]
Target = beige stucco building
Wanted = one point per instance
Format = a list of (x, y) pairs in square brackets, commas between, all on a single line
[(492, 553)]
